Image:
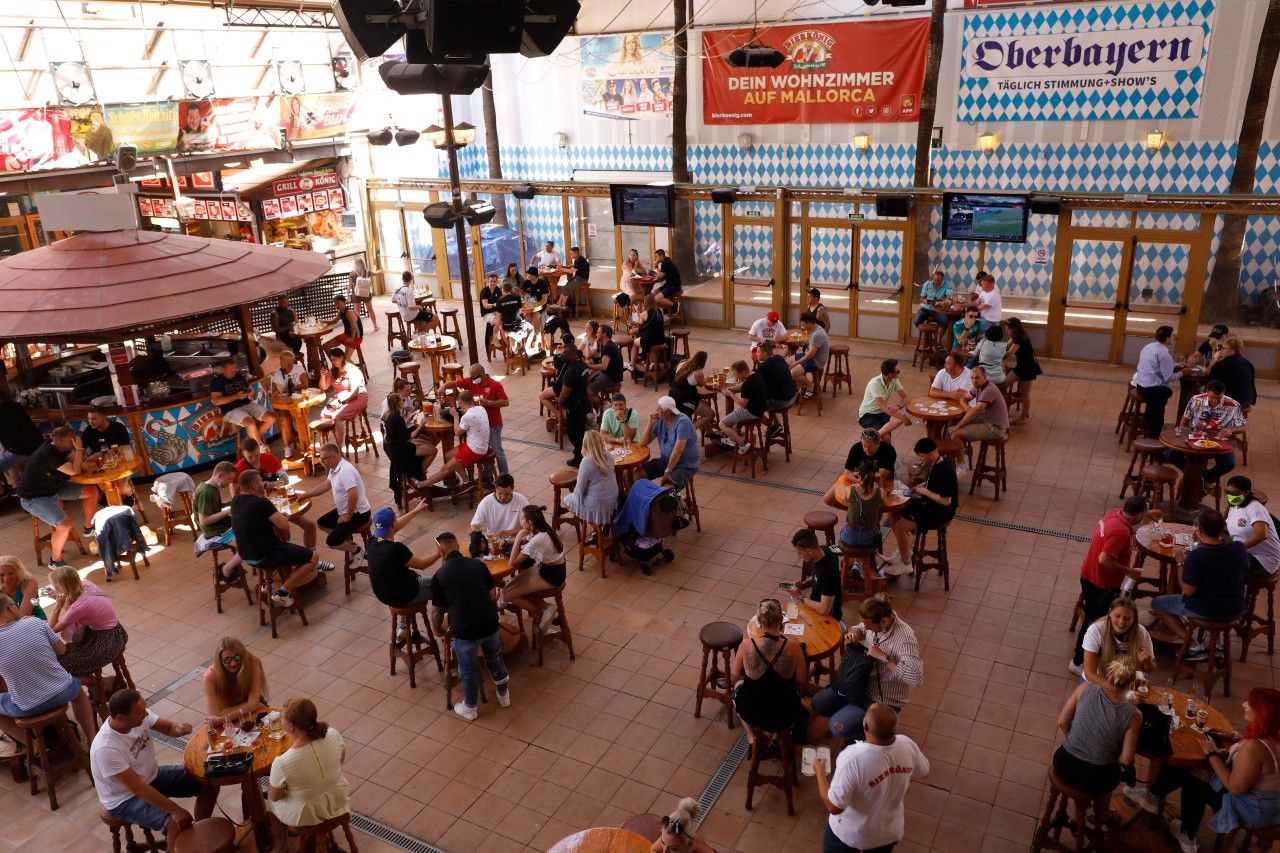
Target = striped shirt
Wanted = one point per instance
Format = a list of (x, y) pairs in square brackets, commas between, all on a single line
[(312, 775), (894, 688), (28, 663)]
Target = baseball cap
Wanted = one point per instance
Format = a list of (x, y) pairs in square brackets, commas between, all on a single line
[(1218, 331), (773, 316), (669, 404), (383, 522)]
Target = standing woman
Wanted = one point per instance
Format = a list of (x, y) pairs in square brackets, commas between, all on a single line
[(595, 495), (1117, 636), (19, 587), (236, 681), (81, 605), (535, 543), (1101, 729), (307, 786), (1025, 366), (689, 390), (349, 395), (362, 290), (768, 675)]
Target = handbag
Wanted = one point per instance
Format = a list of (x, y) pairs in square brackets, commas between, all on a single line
[(1153, 737), (229, 764)]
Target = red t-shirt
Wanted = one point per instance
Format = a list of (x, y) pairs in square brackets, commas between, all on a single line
[(491, 389), (1113, 535), (268, 464)]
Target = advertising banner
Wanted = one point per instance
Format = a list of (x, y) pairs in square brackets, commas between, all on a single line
[(226, 124), (36, 139), (153, 128), (864, 71), (1098, 61), (317, 116), (627, 76)]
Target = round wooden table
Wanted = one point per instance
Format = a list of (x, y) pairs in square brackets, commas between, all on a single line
[(1169, 557), (952, 312), (1191, 490), (444, 348), (625, 465), (265, 752), (297, 406), (553, 276), (602, 839), (794, 341), (312, 336), (937, 415), (1186, 743), (1189, 381), (821, 640), (890, 503), (110, 478)]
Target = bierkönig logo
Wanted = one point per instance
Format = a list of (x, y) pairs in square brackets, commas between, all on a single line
[(809, 50)]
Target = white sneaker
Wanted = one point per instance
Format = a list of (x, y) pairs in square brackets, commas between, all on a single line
[(1188, 845), (282, 598), (728, 442), (1143, 798), (1075, 668), (744, 448), (548, 617), (504, 699), (358, 558), (465, 711)]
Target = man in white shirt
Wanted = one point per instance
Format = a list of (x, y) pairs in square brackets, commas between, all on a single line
[(1155, 371), (866, 793), (498, 513), (130, 785), (471, 424), (953, 381), (988, 299), (548, 257), (351, 510), (767, 328), (416, 318)]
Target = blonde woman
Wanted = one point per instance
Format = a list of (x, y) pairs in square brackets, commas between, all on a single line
[(1101, 728), (768, 674), (86, 620), (19, 587), (595, 494), (1117, 636), (677, 831), (307, 786), (235, 682), (362, 290)]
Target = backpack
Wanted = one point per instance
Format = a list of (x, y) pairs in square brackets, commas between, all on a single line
[(854, 675)]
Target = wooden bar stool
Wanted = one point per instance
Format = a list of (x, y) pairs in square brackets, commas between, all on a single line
[(131, 558), (211, 835), (417, 644), (657, 365), (837, 372), (559, 627), (753, 432), (872, 581), (779, 437), (787, 779), (39, 760), (927, 347), (1088, 837), (821, 521), (1253, 625), (411, 371), (358, 434), (680, 343), (515, 355), (310, 836), (952, 449), (994, 472), (1146, 451), (395, 329), (923, 559), (130, 845), (720, 640), (1212, 633), (350, 572), (451, 372), (1130, 424), (100, 692), (484, 471), (1153, 479), (322, 430), (1263, 838), (222, 584), (596, 540), (817, 394), (449, 323), (41, 542), (267, 607), (691, 505), (562, 480), (580, 299), (1077, 613)]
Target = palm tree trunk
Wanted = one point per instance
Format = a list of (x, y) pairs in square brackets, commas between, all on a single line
[(924, 137), (498, 200), (1222, 298), (682, 240)]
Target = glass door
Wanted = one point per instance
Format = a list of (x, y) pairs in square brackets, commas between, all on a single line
[(1091, 316), (1156, 294), (878, 281), (831, 271), (14, 237), (751, 296)]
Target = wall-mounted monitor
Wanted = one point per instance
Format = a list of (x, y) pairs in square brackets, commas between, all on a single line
[(983, 216), (644, 205)]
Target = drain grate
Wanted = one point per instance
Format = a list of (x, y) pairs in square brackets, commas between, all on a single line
[(720, 781)]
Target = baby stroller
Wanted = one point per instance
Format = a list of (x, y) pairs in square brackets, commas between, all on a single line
[(645, 518)]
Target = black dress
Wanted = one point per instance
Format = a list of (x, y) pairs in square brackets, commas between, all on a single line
[(770, 701), (1025, 366)]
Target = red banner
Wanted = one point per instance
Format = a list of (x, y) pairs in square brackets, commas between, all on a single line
[(865, 71)]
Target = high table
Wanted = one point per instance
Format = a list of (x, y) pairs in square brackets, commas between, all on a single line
[(110, 478), (952, 311), (553, 276), (312, 336), (443, 347), (1168, 557), (821, 640), (937, 415), (794, 341), (1191, 491), (297, 405), (602, 839), (1186, 742), (625, 465), (1189, 381), (265, 752)]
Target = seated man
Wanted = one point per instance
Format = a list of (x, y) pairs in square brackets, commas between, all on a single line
[(825, 594), (932, 291), (287, 380), (678, 457), (393, 568), (620, 421), (780, 385), (262, 535), (872, 447), (499, 514), (47, 482), (878, 411), (952, 381), (416, 318), (36, 681), (212, 518), (282, 322), (131, 786), (535, 290), (933, 502), (667, 281), (19, 438), (606, 373), (548, 258), (103, 434), (232, 392), (517, 331), (807, 366), (988, 416), (767, 328), (750, 398), (347, 316), (255, 458), (1212, 581), (581, 276), (471, 424), (1218, 416), (351, 508), (967, 331)]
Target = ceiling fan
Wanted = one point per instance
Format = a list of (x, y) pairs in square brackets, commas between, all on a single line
[(72, 82), (289, 72), (197, 79)]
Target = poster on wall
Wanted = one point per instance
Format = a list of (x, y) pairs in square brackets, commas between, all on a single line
[(627, 76), (1098, 61), (144, 206), (861, 71), (37, 139), (270, 208), (151, 127), (317, 116), (226, 124)]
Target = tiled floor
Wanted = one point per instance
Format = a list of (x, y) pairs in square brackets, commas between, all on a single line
[(593, 741)]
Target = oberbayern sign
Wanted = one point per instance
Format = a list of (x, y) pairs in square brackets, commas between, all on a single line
[(1100, 61)]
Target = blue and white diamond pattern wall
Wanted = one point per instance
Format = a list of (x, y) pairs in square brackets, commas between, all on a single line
[(1259, 256), (830, 256), (752, 252), (1095, 271), (796, 239), (1162, 267), (1168, 221), (1013, 264), (1101, 218), (879, 259), (707, 236)]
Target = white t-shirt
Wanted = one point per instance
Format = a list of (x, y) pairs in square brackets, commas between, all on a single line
[(991, 310), (546, 259), (944, 381), (540, 547), (475, 421), (870, 783), (345, 477), (112, 753), (767, 331), (404, 300), (496, 516), (1240, 522), (1093, 640), (280, 379)]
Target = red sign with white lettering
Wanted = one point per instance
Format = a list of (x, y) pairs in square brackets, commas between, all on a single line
[(305, 183)]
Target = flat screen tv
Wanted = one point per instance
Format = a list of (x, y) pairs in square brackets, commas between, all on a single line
[(644, 205), (982, 216)]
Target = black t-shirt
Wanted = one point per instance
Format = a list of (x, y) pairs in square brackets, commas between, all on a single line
[(826, 581), (237, 384), (556, 325), (581, 269), (777, 378), (17, 433), (614, 354), (509, 307), (671, 277), (885, 457), (461, 587), (488, 294), (256, 537), (393, 582), (941, 481), (42, 477), (539, 288), (98, 440), (756, 394), (576, 377), (284, 317)]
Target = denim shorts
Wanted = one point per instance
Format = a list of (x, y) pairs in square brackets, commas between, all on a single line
[(1174, 604), (9, 709), (174, 782), (46, 508), (9, 459), (810, 366), (286, 554)]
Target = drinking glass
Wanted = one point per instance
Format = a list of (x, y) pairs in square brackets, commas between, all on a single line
[(215, 736), (1202, 719), (1191, 709), (277, 727)]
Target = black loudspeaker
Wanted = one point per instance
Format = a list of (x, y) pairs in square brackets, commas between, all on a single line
[(724, 195), (440, 214), (893, 205), (478, 212), (524, 192), (406, 78), (546, 23), (1049, 204), (465, 31), (369, 41)]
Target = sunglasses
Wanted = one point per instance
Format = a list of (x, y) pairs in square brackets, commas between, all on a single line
[(675, 827), (232, 659)]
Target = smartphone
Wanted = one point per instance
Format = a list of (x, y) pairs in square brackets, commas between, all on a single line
[(787, 586)]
